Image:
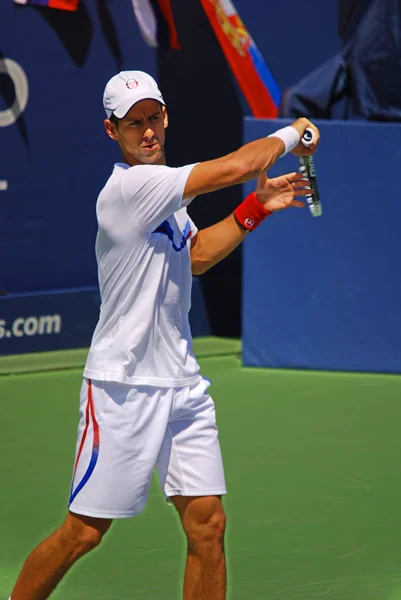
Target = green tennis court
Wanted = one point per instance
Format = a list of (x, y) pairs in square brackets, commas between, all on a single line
[(313, 471)]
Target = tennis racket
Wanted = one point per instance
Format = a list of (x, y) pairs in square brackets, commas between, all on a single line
[(306, 166)]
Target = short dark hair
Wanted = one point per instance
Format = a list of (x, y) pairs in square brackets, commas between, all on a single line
[(115, 120)]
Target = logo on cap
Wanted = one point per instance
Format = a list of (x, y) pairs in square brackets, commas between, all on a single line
[(131, 84)]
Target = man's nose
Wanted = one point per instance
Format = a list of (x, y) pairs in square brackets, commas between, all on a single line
[(148, 133)]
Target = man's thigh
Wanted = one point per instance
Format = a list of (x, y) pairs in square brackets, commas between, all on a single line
[(190, 461), (120, 433)]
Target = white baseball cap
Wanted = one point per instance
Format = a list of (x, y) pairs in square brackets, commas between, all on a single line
[(126, 89)]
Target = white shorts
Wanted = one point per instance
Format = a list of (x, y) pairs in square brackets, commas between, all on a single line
[(124, 432)]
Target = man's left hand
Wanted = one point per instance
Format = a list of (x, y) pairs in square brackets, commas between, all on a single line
[(280, 192)]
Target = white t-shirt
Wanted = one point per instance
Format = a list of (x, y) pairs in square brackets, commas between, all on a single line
[(144, 267)]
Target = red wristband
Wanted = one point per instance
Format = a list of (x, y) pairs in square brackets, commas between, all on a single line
[(250, 213)]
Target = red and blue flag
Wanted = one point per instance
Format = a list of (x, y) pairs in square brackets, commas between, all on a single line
[(61, 4), (247, 64)]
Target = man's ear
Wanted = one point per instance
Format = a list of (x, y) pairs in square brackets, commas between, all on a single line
[(165, 117), (111, 129)]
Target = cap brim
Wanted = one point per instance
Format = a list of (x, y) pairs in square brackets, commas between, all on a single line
[(125, 106)]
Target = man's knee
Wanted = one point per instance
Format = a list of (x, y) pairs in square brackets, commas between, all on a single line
[(83, 534), (205, 527)]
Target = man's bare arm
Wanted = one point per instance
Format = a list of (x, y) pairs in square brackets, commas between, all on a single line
[(244, 164), (209, 246)]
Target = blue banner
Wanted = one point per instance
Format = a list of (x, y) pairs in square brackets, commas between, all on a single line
[(64, 319), (48, 321)]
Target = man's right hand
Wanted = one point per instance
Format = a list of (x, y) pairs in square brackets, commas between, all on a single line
[(300, 125)]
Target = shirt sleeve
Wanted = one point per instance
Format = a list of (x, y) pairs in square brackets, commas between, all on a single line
[(151, 193)]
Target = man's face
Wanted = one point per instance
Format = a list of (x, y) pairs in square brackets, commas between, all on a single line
[(141, 133)]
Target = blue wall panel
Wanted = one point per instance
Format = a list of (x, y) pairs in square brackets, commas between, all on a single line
[(325, 292)]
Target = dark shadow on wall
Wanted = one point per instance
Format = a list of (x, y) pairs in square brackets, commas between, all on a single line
[(110, 31), (205, 122), (75, 30)]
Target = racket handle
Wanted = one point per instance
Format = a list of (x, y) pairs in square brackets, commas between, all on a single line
[(306, 166)]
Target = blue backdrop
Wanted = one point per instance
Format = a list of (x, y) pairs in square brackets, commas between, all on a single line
[(325, 292), (57, 157)]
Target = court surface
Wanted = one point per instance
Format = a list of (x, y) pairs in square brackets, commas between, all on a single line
[(313, 465)]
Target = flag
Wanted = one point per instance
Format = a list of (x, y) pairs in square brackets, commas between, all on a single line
[(250, 70), (156, 23), (62, 4)]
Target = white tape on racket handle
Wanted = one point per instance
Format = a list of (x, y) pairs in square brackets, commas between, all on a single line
[(308, 137)]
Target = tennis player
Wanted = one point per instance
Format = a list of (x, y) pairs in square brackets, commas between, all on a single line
[(144, 403)]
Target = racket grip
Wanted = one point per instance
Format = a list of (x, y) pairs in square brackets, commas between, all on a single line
[(306, 166)]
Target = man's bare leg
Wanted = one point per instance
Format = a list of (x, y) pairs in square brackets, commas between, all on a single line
[(203, 520), (51, 560)]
